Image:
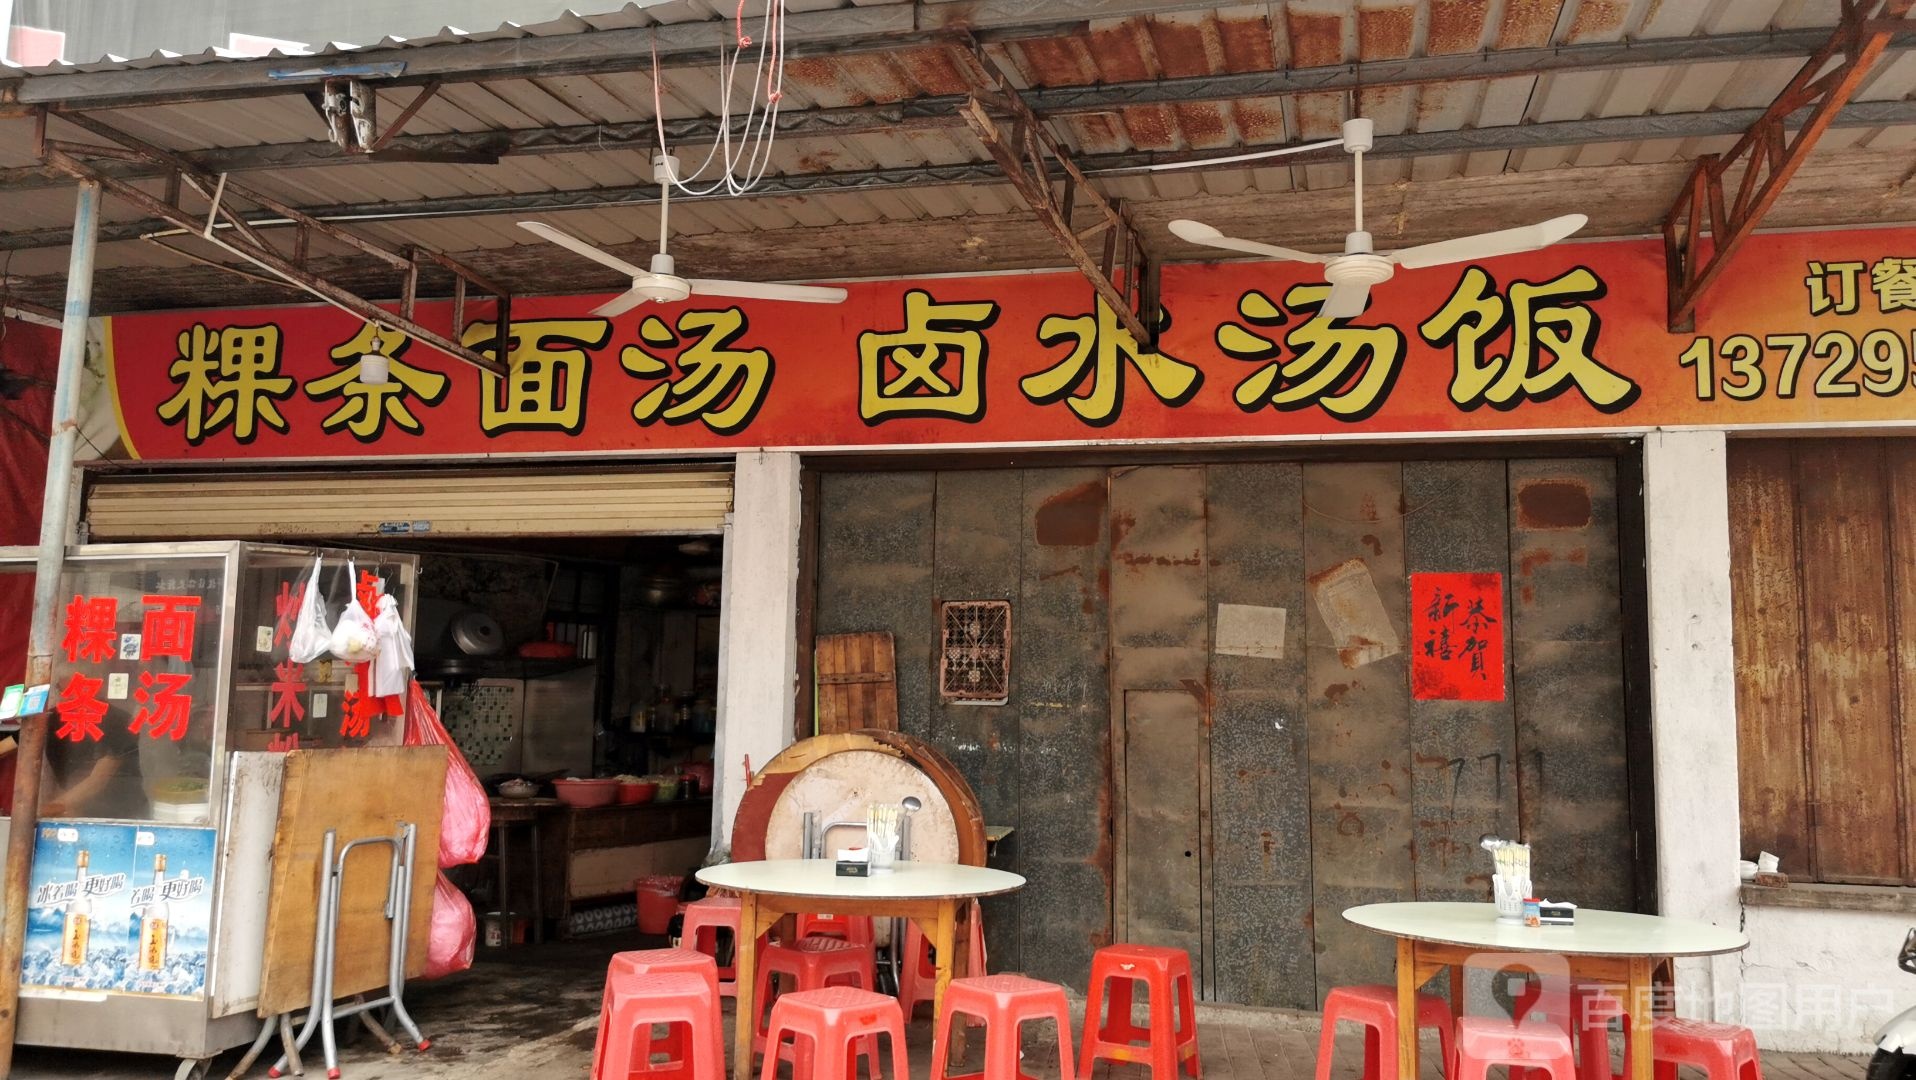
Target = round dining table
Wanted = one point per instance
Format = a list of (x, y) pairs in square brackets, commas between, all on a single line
[(1611, 948), (935, 896)]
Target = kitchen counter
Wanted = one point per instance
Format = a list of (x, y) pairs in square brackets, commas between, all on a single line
[(597, 853)]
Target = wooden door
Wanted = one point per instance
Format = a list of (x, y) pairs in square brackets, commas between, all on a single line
[(857, 682)]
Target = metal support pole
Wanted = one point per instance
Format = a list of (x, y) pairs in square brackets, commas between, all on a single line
[(46, 597)]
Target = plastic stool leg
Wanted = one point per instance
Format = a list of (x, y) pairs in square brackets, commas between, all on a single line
[(1326, 1045), (1160, 998), (1187, 1024), (1093, 1005), (1061, 1016), (1001, 1050)]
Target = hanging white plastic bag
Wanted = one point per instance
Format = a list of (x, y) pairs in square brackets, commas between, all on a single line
[(392, 669), (355, 639), (311, 636)]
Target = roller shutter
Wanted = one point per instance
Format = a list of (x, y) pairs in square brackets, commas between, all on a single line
[(425, 503)]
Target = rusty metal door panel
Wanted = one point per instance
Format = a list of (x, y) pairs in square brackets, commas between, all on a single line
[(1164, 739), (1063, 840), (874, 573), (1771, 766), (1463, 753), (1160, 640), (1566, 619), (1358, 708), (1260, 855), (1159, 635), (978, 555), (1842, 496)]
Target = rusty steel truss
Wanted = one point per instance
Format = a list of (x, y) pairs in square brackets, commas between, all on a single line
[(230, 230), (1704, 229), (1125, 276)]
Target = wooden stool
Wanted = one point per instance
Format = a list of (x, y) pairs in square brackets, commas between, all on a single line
[(1166, 975), (685, 1003), (812, 964), (832, 1021), (1003, 1003), (1483, 1041), (1375, 1007), (711, 915)]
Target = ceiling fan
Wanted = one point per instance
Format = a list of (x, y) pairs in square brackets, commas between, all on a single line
[(661, 284), (1352, 273)]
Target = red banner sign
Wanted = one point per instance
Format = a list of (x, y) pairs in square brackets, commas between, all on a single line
[(1457, 637), (1805, 329)]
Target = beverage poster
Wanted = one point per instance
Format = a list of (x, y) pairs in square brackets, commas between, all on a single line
[(120, 909)]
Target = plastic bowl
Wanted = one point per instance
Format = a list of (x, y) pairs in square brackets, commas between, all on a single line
[(585, 794), (668, 789), (642, 792)]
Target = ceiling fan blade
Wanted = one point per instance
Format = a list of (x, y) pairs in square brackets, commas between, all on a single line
[(619, 304), (1490, 245), (1346, 301), (757, 290), (1255, 155), (1197, 232), (578, 246)]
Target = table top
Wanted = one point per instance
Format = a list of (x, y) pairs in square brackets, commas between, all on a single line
[(1596, 933), (819, 877)]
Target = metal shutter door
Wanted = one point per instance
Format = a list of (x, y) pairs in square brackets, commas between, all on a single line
[(345, 504)]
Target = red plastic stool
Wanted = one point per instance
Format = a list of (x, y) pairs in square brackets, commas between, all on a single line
[(856, 929), (918, 975), (1164, 973), (1592, 1009), (831, 1022), (682, 1001), (1724, 1051), (709, 916), (1482, 1041), (1004, 1003), (1375, 1007), (654, 962), (812, 964)]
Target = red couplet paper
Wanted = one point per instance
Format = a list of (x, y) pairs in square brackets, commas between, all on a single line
[(1457, 637)]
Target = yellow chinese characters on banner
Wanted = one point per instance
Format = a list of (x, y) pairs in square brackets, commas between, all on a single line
[(1805, 329)]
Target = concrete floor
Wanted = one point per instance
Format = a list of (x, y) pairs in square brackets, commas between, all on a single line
[(534, 1013)]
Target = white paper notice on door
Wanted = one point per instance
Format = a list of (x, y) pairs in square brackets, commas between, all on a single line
[(1353, 612), (1247, 630)]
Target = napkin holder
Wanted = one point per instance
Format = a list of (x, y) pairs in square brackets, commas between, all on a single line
[(853, 863)]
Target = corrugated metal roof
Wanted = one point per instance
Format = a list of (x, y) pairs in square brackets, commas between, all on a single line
[(1229, 39)]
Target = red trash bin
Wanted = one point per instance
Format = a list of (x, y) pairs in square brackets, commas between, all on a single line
[(658, 902)]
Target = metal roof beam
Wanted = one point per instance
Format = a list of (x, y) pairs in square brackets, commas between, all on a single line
[(1049, 102), (1704, 228), (1419, 144), (810, 33)]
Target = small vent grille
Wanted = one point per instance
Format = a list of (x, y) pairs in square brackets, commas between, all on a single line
[(974, 664)]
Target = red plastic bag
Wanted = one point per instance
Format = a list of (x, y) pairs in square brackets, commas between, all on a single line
[(454, 931), (466, 819)]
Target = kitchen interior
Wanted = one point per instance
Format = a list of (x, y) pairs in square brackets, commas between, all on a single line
[(579, 678)]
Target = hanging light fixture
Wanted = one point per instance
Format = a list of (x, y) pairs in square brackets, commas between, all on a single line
[(375, 367)]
